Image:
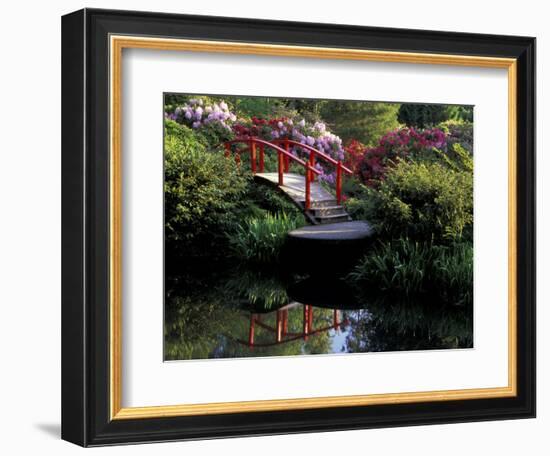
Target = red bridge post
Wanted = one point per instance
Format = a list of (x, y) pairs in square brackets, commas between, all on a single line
[(280, 167), (251, 331), (308, 189), (253, 156), (339, 182), (262, 163), (287, 160)]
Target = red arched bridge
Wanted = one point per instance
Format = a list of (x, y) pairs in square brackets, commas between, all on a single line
[(305, 190)]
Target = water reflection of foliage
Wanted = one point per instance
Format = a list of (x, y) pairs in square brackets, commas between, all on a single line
[(411, 325), (193, 325), (257, 291), (212, 320)]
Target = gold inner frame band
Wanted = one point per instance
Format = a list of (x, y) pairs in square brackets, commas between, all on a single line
[(117, 44)]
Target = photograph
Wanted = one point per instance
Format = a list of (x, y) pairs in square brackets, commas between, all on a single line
[(299, 226)]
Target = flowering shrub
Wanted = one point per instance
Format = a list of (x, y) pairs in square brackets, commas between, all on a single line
[(396, 145), (354, 152), (197, 115)]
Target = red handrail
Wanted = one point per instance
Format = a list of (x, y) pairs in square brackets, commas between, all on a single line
[(313, 153), (281, 155), (317, 152)]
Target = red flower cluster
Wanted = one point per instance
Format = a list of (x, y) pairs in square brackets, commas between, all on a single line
[(354, 154), (258, 121), (395, 145), (275, 122), (244, 131)]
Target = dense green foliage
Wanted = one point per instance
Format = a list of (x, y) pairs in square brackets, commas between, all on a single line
[(404, 267), (424, 201), (203, 195)]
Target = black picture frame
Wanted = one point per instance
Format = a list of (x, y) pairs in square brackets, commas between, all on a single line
[(85, 224)]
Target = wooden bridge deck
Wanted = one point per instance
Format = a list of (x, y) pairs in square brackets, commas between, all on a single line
[(324, 207), (295, 187)]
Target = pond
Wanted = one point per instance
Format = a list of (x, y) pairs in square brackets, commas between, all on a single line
[(252, 314)]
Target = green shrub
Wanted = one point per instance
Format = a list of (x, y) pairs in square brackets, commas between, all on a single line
[(272, 200), (203, 194), (360, 207), (410, 268), (260, 240), (422, 201), (458, 158)]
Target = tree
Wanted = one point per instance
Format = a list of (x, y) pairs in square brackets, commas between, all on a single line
[(428, 115), (360, 120)]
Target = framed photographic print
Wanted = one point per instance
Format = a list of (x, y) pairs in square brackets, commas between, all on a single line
[(279, 227)]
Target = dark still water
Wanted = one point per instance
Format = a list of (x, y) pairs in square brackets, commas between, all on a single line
[(248, 314)]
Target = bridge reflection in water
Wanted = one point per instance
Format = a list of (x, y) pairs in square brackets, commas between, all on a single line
[(280, 330), (257, 315)]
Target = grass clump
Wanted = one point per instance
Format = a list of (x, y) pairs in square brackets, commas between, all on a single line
[(260, 239)]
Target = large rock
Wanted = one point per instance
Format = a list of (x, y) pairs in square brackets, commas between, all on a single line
[(327, 249)]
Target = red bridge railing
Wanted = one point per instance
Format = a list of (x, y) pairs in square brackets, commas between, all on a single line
[(256, 145), (313, 155), (284, 157)]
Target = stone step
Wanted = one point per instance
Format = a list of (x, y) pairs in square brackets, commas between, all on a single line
[(321, 203), (337, 218), (328, 210)]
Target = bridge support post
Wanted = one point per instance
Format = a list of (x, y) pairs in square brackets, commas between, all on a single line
[(287, 160), (308, 189), (339, 182), (251, 331), (312, 164), (279, 329), (304, 325), (253, 157), (262, 162), (280, 167)]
